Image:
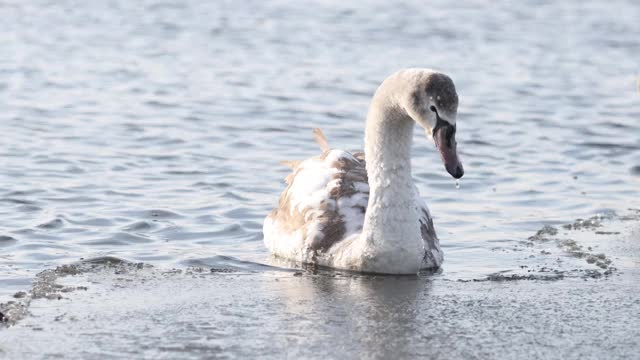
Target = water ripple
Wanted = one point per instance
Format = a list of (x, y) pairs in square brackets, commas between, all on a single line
[(160, 139)]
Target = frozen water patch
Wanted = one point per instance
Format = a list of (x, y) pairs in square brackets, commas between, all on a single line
[(58, 283), (587, 248), (47, 285), (195, 313)]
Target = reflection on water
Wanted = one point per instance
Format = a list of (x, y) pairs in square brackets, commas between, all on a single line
[(364, 308)]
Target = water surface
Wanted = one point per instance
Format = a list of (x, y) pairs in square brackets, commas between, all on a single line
[(152, 131)]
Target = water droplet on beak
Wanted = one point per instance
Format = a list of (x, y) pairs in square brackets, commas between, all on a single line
[(457, 183)]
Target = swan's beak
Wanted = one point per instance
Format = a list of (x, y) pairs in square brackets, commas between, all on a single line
[(444, 135)]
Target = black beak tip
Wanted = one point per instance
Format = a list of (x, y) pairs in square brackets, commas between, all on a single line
[(458, 172)]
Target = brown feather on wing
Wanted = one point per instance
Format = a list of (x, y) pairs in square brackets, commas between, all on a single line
[(351, 170)]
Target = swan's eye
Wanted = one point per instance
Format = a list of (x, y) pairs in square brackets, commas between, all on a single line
[(433, 108)]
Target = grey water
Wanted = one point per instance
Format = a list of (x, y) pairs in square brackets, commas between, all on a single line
[(152, 131)]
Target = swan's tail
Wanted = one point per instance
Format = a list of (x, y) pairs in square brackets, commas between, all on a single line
[(293, 164), (318, 135)]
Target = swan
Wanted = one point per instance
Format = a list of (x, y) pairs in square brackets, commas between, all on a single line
[(362, 211)]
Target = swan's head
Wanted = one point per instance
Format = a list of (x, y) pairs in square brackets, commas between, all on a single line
[(432, 102)]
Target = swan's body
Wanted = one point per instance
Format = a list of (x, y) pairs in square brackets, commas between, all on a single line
[(344, 212)]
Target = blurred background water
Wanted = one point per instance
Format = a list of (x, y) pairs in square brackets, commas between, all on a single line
[(152, 130)]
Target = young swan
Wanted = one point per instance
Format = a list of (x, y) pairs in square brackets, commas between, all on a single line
[(341, 211)]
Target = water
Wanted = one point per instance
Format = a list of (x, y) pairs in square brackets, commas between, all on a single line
[(152, 131)]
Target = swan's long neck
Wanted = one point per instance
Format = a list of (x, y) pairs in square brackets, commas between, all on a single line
[(388, 139), (391, 229)]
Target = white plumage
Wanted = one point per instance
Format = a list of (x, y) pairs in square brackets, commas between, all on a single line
[(344, 212)]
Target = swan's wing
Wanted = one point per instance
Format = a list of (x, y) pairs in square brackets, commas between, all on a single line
[(433, 254), (324, 202)]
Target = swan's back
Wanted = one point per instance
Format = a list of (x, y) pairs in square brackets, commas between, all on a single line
[(323, 204)]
